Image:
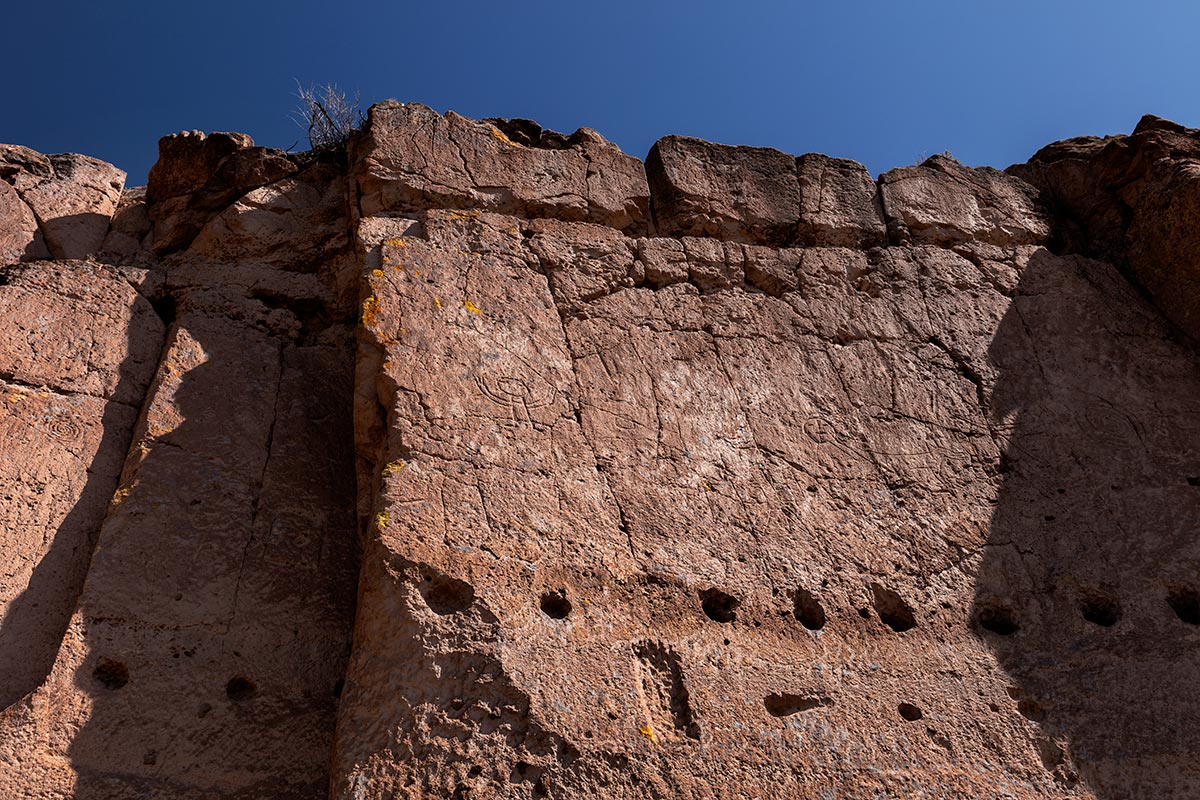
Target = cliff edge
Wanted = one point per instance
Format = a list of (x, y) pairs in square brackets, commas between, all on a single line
[(483, 461)]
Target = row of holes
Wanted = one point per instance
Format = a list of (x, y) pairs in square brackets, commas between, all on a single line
[(1096, 608), (893, 611), (720, 606), (114, 675)]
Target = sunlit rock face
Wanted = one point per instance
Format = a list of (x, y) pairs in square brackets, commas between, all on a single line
[(475, 460)]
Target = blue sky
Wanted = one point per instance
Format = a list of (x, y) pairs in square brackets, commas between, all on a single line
[(885, 83)]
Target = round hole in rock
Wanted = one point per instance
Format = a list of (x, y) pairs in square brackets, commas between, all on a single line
[(909, 712), (719, 606), (808, 610), (555, 605), (997, 618), (1031, 710), (240, 688), (445, 595), (784, 704), (1185, 602), (892, 609), (111, 674), (1100, 609)]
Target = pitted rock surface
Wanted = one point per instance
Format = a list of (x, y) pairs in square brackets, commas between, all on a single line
[(484, 461)]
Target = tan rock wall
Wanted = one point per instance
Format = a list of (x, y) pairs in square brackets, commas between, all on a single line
[(736, 474)]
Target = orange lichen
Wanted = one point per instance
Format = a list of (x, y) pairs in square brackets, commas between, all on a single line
[(474, 309), (499, 134), (396, 242), (647, 730), (122, 493), (370, 311)]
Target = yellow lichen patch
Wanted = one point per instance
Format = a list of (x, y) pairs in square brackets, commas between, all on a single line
[(396, 242), (120, 495), (648, 731), (370, 311), (156, 430), (499, 134), (15, 398), (392, 467), (474, 309), (381, 520), (437, 301), (378, 273), (461, 215)]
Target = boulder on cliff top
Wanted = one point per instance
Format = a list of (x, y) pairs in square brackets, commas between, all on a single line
[(197, 176), (70, 199), (409, 158), (943, 202), (758, 195), (743, 193), (1134, 200)]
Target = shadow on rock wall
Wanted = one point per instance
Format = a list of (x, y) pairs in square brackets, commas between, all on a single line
[(52, 444), (1089, 589), (208, 651)]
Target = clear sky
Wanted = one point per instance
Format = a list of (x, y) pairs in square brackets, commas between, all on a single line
[(885, 83)]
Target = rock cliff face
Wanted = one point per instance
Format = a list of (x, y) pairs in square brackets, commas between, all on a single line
[(482, 461)]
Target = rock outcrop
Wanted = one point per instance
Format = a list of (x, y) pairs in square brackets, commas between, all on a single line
[(485, 461)]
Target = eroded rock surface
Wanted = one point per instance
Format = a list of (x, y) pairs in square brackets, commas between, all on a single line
[(736, 474), (78, 349)]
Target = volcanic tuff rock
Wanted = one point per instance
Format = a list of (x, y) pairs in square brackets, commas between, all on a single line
[(484, 461)]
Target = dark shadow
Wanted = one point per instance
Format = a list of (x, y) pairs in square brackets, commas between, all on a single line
[(218, 612), (1094, 548), (37, 618)]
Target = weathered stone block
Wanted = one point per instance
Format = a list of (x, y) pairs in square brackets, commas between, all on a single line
[(410, 158)]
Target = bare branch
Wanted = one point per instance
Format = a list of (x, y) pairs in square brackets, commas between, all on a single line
[(326, 114)]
